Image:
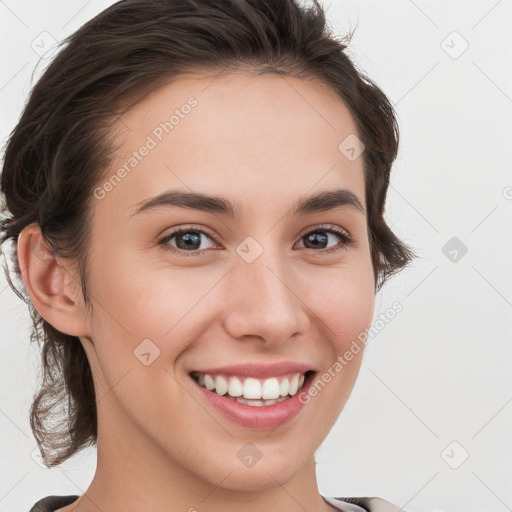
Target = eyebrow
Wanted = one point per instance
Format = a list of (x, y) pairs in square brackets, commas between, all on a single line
[(318, 202)]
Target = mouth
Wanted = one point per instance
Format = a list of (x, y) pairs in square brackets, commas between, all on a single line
[(251, 390), (254, 397)]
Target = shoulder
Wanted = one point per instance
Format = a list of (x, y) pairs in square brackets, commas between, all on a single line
[(363, 504), (51, 503)]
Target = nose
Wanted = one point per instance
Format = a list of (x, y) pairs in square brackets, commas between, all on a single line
[(263, 301)]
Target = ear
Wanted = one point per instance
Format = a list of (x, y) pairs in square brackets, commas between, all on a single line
[(52, 286)]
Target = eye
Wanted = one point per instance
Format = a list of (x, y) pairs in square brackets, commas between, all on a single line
[(320, 236), (187, 240)]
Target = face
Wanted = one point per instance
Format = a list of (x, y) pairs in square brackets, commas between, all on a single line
[(252, 290)]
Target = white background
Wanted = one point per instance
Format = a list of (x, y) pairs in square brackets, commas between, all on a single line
[(440, 371)]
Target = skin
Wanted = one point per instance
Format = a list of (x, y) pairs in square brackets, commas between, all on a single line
[(263, 141)]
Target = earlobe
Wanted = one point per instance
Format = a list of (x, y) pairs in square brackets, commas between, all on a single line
[(50, 284)]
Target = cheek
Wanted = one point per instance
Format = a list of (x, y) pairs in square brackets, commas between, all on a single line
[(140, 300), (149, 303), (343, 306), (343, 302)]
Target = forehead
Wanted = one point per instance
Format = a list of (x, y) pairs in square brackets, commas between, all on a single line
[(259, 137)]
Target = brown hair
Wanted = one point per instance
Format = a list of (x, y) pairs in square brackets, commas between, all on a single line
[(61, 146)]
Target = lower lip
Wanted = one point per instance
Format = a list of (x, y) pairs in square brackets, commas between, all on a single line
[(263, 417)]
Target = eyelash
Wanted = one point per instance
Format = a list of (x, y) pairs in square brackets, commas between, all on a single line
[(346, 240)]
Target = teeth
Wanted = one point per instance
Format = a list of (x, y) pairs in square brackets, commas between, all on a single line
[(258, 392), (252, 388), (294, 385), (209, 382), (235, 387), (260, 403), (221, 385), (270, 389), (284, 387)]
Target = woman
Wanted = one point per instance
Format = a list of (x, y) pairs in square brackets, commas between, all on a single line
[(195, 196)]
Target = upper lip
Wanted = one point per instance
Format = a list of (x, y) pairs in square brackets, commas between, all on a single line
[(258, 370)]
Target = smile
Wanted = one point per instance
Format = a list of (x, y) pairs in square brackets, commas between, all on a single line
[(268, 401), (251, 390)]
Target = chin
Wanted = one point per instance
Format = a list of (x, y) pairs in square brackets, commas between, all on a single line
[(268, 472)]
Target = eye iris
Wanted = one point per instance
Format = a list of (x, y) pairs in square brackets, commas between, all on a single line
[(316, 238), (190, 239)]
